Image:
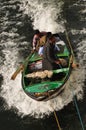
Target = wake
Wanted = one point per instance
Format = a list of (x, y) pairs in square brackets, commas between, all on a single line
[(44, 17)]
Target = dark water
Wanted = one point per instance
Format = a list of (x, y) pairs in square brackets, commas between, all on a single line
[(18, 19)]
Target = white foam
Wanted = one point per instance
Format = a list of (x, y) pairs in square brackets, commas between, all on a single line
[(15, 97), (44, 15), (44, 18)]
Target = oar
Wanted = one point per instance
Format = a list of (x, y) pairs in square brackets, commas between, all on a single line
[(21, 67)]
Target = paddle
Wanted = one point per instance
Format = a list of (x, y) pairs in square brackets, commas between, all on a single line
[(21, 67)]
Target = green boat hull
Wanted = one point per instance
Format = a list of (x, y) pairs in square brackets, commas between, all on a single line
[(46, 88)]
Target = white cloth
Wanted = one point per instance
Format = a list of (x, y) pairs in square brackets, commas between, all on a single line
[(40, 52)]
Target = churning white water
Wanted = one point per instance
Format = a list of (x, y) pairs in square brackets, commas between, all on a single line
[(44, 15)]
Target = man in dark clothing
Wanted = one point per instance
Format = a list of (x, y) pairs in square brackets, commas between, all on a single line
[(50, 61)]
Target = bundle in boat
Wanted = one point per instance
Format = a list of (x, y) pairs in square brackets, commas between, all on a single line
[(40, 74), (46, 73)]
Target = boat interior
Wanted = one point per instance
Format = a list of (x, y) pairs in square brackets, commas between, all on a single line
[(41, 88)]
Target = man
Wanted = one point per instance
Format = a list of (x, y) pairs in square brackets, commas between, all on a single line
[(50, 60), (42, 41), (37, 37)]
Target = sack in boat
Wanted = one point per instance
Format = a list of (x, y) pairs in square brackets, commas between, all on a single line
[(36, 65), (63, 62), (40, 74)]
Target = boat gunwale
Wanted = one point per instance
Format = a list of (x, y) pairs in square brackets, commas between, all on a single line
[(57, 89)]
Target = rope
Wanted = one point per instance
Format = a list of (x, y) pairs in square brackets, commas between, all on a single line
[(73, 56), (76, 105), (69, 43), (57, 121), (77, 108), (55, 115)]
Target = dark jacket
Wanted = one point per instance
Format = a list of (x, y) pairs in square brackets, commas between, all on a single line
[(49, 57)]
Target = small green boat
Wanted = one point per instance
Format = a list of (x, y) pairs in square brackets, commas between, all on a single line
[(44, 85)]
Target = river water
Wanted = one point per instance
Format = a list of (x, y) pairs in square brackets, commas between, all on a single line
[(18, 19)]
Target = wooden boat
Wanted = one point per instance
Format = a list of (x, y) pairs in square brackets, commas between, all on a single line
[(44, 85)]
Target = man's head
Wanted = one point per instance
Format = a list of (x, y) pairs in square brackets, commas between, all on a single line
[(52, 39), (37, 31), (49, 34)]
